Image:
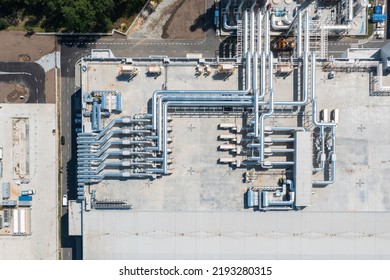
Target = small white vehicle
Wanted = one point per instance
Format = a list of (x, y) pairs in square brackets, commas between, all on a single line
[(27, 192), (65, 200)]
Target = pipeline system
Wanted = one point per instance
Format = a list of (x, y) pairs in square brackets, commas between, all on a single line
[(143, 150)]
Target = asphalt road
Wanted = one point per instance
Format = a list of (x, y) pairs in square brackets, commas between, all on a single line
[(69, 102), (30, 74), (339, 46)]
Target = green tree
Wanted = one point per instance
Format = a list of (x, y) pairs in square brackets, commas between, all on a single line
[(3, 23)]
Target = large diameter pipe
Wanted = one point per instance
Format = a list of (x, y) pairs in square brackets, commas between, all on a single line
[(226, 26), (299, 43), (158, 103), (259, 35), (271, 109), (337, 27), (305, 82), (201, 92), (189, 103), (256, 94), (252, 30), (267, 203), (267, 34), (239, 10), (307, 33), (350, 13), (245, 40)]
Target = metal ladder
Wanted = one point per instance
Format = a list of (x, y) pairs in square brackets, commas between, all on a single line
[(314, 37), (239, 41), (307, 117), (324, 44)]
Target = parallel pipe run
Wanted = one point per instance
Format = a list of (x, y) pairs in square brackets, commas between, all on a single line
[(213, 95), (123, 120), (194, 93), (240, 98), (189, 103), (90, 160)]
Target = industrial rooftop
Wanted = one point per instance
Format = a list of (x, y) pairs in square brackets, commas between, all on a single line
[(171, 148), (253, 130)]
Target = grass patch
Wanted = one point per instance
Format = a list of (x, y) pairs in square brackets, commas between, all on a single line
[(123, 23)]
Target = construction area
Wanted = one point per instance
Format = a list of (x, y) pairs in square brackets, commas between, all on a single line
[(198, 157)]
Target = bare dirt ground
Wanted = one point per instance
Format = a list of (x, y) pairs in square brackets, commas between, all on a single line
[(13, 93), (50, 87), (186, 21), (174, 19), (15, 46)]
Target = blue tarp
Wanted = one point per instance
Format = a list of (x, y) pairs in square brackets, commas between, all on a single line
[(378, 18), (25, 198), (378, 10)]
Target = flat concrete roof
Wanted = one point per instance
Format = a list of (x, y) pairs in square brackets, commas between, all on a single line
[(303, 168), (74, 218), (236, 235), (183, 215), (43, 241)]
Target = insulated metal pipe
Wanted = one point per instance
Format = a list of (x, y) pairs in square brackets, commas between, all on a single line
[(287, 128), (282, 150), (262, 75), (271, 109), (266, 37), (307, 33), (239, 10), (202, 92), (332, 178), (252, 30), (281, 140), (350, 13), (256, 94), (202, 95), (226, 26), (259, 35), (245, 40), (299, 43), (304, 90), (189, 103)]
